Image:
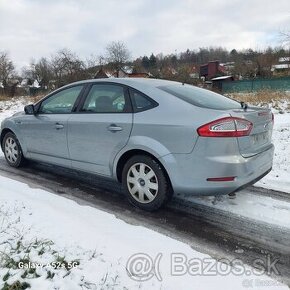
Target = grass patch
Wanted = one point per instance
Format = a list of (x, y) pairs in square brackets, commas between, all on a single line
[(23, 260), (5, 98), (278, 100), (26, 260), (35, 99), (30, 99), (16, 286), (263, 96)]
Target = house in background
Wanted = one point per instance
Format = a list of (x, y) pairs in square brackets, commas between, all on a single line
[(124, 72), (215, 74), (140, 75), (102, 74), (228, 67), (29, 87), (211, 70), (217, 83), (282, 68), (130, 72)]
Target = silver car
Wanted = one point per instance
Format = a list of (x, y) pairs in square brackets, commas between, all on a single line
[(156, 137)]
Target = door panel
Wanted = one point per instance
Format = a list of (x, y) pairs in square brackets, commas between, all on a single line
[(46, 132), (46, 138), (95, 139), (101, 128)]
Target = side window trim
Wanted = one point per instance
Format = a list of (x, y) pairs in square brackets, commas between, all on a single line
[(135, 109), (79, 98), (87, 92), (83, 98)]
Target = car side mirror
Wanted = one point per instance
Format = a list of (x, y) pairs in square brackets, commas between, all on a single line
[(29, 110)]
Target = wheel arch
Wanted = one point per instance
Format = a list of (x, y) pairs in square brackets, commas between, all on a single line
[(133, 152)]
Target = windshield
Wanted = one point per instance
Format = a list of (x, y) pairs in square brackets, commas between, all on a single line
[(201, 97)]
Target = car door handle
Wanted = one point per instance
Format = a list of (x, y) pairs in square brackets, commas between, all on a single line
[(114, 128), (58, 126)]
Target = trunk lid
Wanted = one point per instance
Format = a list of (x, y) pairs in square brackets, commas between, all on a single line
[(260, 138)]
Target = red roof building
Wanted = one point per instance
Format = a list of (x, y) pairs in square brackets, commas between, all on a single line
[(211, 69)]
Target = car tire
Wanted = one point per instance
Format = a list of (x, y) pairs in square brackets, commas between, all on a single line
[(12, 150), (145, 183)]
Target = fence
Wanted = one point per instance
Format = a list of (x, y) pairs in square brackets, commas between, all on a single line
[(256, 85)]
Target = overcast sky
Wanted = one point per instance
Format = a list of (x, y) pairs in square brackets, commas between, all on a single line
[(35, 28)]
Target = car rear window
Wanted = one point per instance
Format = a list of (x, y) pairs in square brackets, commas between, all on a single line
[(201, 97)]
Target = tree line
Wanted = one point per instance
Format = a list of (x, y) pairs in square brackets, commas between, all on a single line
[(65, 66), (61, 68)]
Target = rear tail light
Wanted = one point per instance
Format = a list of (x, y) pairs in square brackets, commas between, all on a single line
[(226, 127)]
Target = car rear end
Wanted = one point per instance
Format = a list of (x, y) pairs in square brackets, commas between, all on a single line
[(233, 148)]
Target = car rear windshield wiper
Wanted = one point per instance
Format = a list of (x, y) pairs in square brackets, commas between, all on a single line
[(244, 105)]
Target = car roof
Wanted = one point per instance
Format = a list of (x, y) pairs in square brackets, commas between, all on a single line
[(129, 81)]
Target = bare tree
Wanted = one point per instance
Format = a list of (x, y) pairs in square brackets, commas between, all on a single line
[(92, 65), (285, 35), (39, 70), (265, 61), (67, 67), (6, 69), (117, 55)]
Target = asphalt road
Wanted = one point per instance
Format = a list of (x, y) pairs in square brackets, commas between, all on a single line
[(206, 230)]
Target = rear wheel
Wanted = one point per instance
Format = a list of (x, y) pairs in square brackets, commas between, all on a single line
[(12, 150), (145, 183)]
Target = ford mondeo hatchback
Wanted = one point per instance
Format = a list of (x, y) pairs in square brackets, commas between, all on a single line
[(156, 137)]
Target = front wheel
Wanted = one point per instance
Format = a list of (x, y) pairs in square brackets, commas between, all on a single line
[(12, 150), (146, 183)]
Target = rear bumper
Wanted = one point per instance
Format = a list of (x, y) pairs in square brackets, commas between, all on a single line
[(189, 172)]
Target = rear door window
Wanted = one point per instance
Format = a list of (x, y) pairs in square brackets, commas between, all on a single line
[(201, 97), (104, 98)]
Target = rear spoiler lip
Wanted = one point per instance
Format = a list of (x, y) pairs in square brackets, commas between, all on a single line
[(264, 113)]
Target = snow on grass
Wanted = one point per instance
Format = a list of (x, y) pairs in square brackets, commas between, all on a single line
[(279, 177), (278, 100), (9, 107), (44, 228)]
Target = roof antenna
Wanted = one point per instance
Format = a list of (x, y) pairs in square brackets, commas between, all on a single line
[(244, 106)]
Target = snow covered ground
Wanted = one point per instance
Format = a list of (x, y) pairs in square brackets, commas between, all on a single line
[(95, 247), (261, 209), (99, 250), (279, 177)]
